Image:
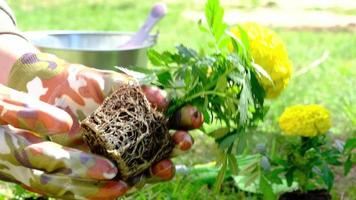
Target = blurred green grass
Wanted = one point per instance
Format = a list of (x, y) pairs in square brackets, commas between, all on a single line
[(329, 84)]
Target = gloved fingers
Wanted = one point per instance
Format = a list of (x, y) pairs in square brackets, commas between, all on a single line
[(158, 98), (187, 117), (183, 142), (30, 137), (162, 171), (65, 187), (52, 157), (11, 146), (22, 111), (18, 150)]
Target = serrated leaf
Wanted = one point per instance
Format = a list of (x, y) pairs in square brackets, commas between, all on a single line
[(350, 145), (239, 47), (273, 176), (327, 176), (214, 15), (155, 57), (244, 38), (252, 178), (186, 53), (233, 164), (164, 77), (267, 189), (347, 165), (290, 177), (262, 72), (201, 27), (219, 133), (221, 175), (249, 169), (221, 83), (245, 100), (227, 141), (242, 141)]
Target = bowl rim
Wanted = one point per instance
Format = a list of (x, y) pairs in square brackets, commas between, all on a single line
[(35, 35)]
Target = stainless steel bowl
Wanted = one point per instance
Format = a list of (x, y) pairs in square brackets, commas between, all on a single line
[(95, 49)]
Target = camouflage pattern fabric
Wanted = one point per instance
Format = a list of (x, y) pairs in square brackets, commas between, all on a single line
[(78, 90), (46, 167), (41, 146), (72, 87)]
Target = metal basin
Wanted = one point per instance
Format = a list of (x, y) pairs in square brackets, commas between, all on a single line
[(94, 49)]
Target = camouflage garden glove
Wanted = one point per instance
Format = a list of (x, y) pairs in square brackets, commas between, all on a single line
[(45, 167), (79, 90), (75, 88)]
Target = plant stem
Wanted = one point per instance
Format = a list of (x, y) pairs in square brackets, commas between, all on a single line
[(304, 148), (206, 93)]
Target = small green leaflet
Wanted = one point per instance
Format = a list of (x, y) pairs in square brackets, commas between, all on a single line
[(221, 175), (214, 15), (267, 189)]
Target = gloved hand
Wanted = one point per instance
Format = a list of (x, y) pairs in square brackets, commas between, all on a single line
[(79, 90), (45, 167)]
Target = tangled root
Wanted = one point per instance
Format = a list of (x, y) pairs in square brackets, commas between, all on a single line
[(128, 131)]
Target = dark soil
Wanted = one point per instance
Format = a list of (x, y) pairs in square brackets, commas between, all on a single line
[(311, 195)]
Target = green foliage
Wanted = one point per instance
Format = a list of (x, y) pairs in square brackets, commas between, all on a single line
[(223, 85), (308, 162)]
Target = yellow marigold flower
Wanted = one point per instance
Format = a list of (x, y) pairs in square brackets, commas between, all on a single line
[(268, 51), (305, 120)]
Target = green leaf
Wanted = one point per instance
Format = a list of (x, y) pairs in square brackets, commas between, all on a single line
[(273, 176), (227, 141), (327, 176), (186, 53), (214, 15), (233, 164), (155, 57), (245, 100), (244, 38), (260, 71), (350, 145), (239, 47), (201, 27), (164, 77), (266, 188), (250, 167), (347, 165), (290, 177), (242, 141), (219, 133), (221, 83), (221, 175)]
